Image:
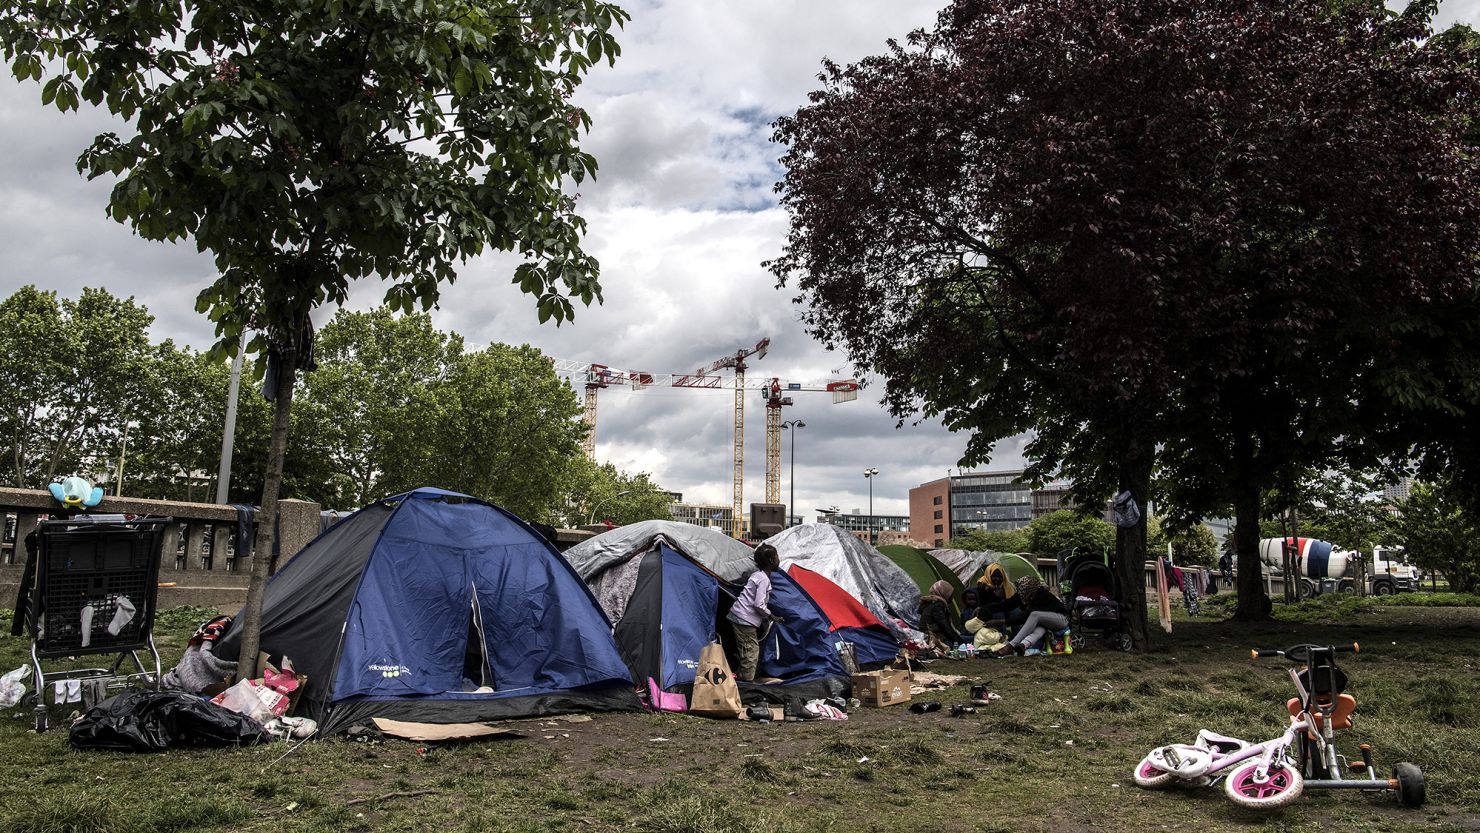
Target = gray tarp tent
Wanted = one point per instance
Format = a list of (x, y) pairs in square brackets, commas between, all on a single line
[(862, 571), (967, 566), (595, 558)]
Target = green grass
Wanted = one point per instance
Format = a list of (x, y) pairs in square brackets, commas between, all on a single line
[(1329, 608), (1335, 607), (1053, 755), (71, 812), (184, 617)]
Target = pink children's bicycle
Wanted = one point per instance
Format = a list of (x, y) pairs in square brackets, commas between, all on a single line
[(1272, 774)]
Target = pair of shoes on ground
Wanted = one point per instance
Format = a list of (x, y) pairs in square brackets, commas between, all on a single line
[(1008, 650)]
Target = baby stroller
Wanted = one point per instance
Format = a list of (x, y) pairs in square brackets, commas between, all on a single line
[(1093, 599)]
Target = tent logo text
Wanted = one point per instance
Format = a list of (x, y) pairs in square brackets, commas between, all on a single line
[(388, 670)]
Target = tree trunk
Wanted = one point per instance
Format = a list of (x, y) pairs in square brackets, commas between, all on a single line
[(272, 481), (1130, 545), (1253, 602), (1461, 580)]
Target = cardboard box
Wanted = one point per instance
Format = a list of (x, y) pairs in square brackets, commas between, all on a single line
[(882, 688)]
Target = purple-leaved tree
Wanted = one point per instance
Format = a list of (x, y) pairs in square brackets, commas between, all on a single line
[(1108, 223)]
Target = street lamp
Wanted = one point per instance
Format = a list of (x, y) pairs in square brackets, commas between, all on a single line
[(598, 504), (869, 474), (228, 433), (792, 504)]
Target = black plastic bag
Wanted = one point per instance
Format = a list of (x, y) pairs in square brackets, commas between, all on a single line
[(153, 721)]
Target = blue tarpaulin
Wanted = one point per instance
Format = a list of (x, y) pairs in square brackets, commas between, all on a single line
[(690, 610), (799, 647)]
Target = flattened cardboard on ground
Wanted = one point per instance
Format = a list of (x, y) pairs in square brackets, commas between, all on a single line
[(888, 687), (923, 681), (435, 732)]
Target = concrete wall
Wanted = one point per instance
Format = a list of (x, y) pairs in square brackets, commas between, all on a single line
[(197, 565)]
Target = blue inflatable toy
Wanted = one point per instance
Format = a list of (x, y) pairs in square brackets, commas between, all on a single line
[(76, 493)]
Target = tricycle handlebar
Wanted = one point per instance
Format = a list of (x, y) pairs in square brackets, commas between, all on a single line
[(1301, 653)]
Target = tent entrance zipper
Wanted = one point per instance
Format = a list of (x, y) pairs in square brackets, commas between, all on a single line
[(485, 668)]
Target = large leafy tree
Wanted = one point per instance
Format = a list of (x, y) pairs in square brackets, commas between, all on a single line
[(500, 426), (981, 540), (1196, 545), (1346, 508), (604, 493), (356, 405), (172, 453), (1107, 223), (174, 448), (1068, 529), (1440, 532), (30, 365), (307, 143), (75, 371), (72, 375), (1375, 348)]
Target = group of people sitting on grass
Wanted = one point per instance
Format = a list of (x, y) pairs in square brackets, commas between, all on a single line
[(999, 617)]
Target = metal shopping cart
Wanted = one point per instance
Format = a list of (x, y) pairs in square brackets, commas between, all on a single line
[(92, 590)]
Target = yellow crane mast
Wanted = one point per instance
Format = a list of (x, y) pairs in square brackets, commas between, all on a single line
[(737, 363), (597, 377)]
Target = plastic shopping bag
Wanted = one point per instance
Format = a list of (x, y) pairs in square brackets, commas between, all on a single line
[(12, 688)]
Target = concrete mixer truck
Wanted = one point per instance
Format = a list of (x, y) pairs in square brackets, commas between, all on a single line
[(1323, 568)]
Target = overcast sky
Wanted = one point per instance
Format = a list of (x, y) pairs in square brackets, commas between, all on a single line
[(681, 217)]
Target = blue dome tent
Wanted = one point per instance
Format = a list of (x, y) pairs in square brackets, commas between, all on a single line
[(436, 607)]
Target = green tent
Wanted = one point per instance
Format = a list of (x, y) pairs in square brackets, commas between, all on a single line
[(924, 570), (1018, 566)]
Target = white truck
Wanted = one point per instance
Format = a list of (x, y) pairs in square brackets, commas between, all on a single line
[(1390, 572), (1324, 568)]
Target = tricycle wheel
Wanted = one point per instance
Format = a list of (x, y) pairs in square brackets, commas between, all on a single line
[(1280, 788), (1149, 776), (1410, 784)]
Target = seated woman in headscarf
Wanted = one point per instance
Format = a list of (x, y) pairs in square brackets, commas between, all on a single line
[(1046, 614), (997, 603), (935, 617)]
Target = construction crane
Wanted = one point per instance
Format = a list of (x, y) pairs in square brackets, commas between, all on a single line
[(596, 377), (772, 395), (736, 362)]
